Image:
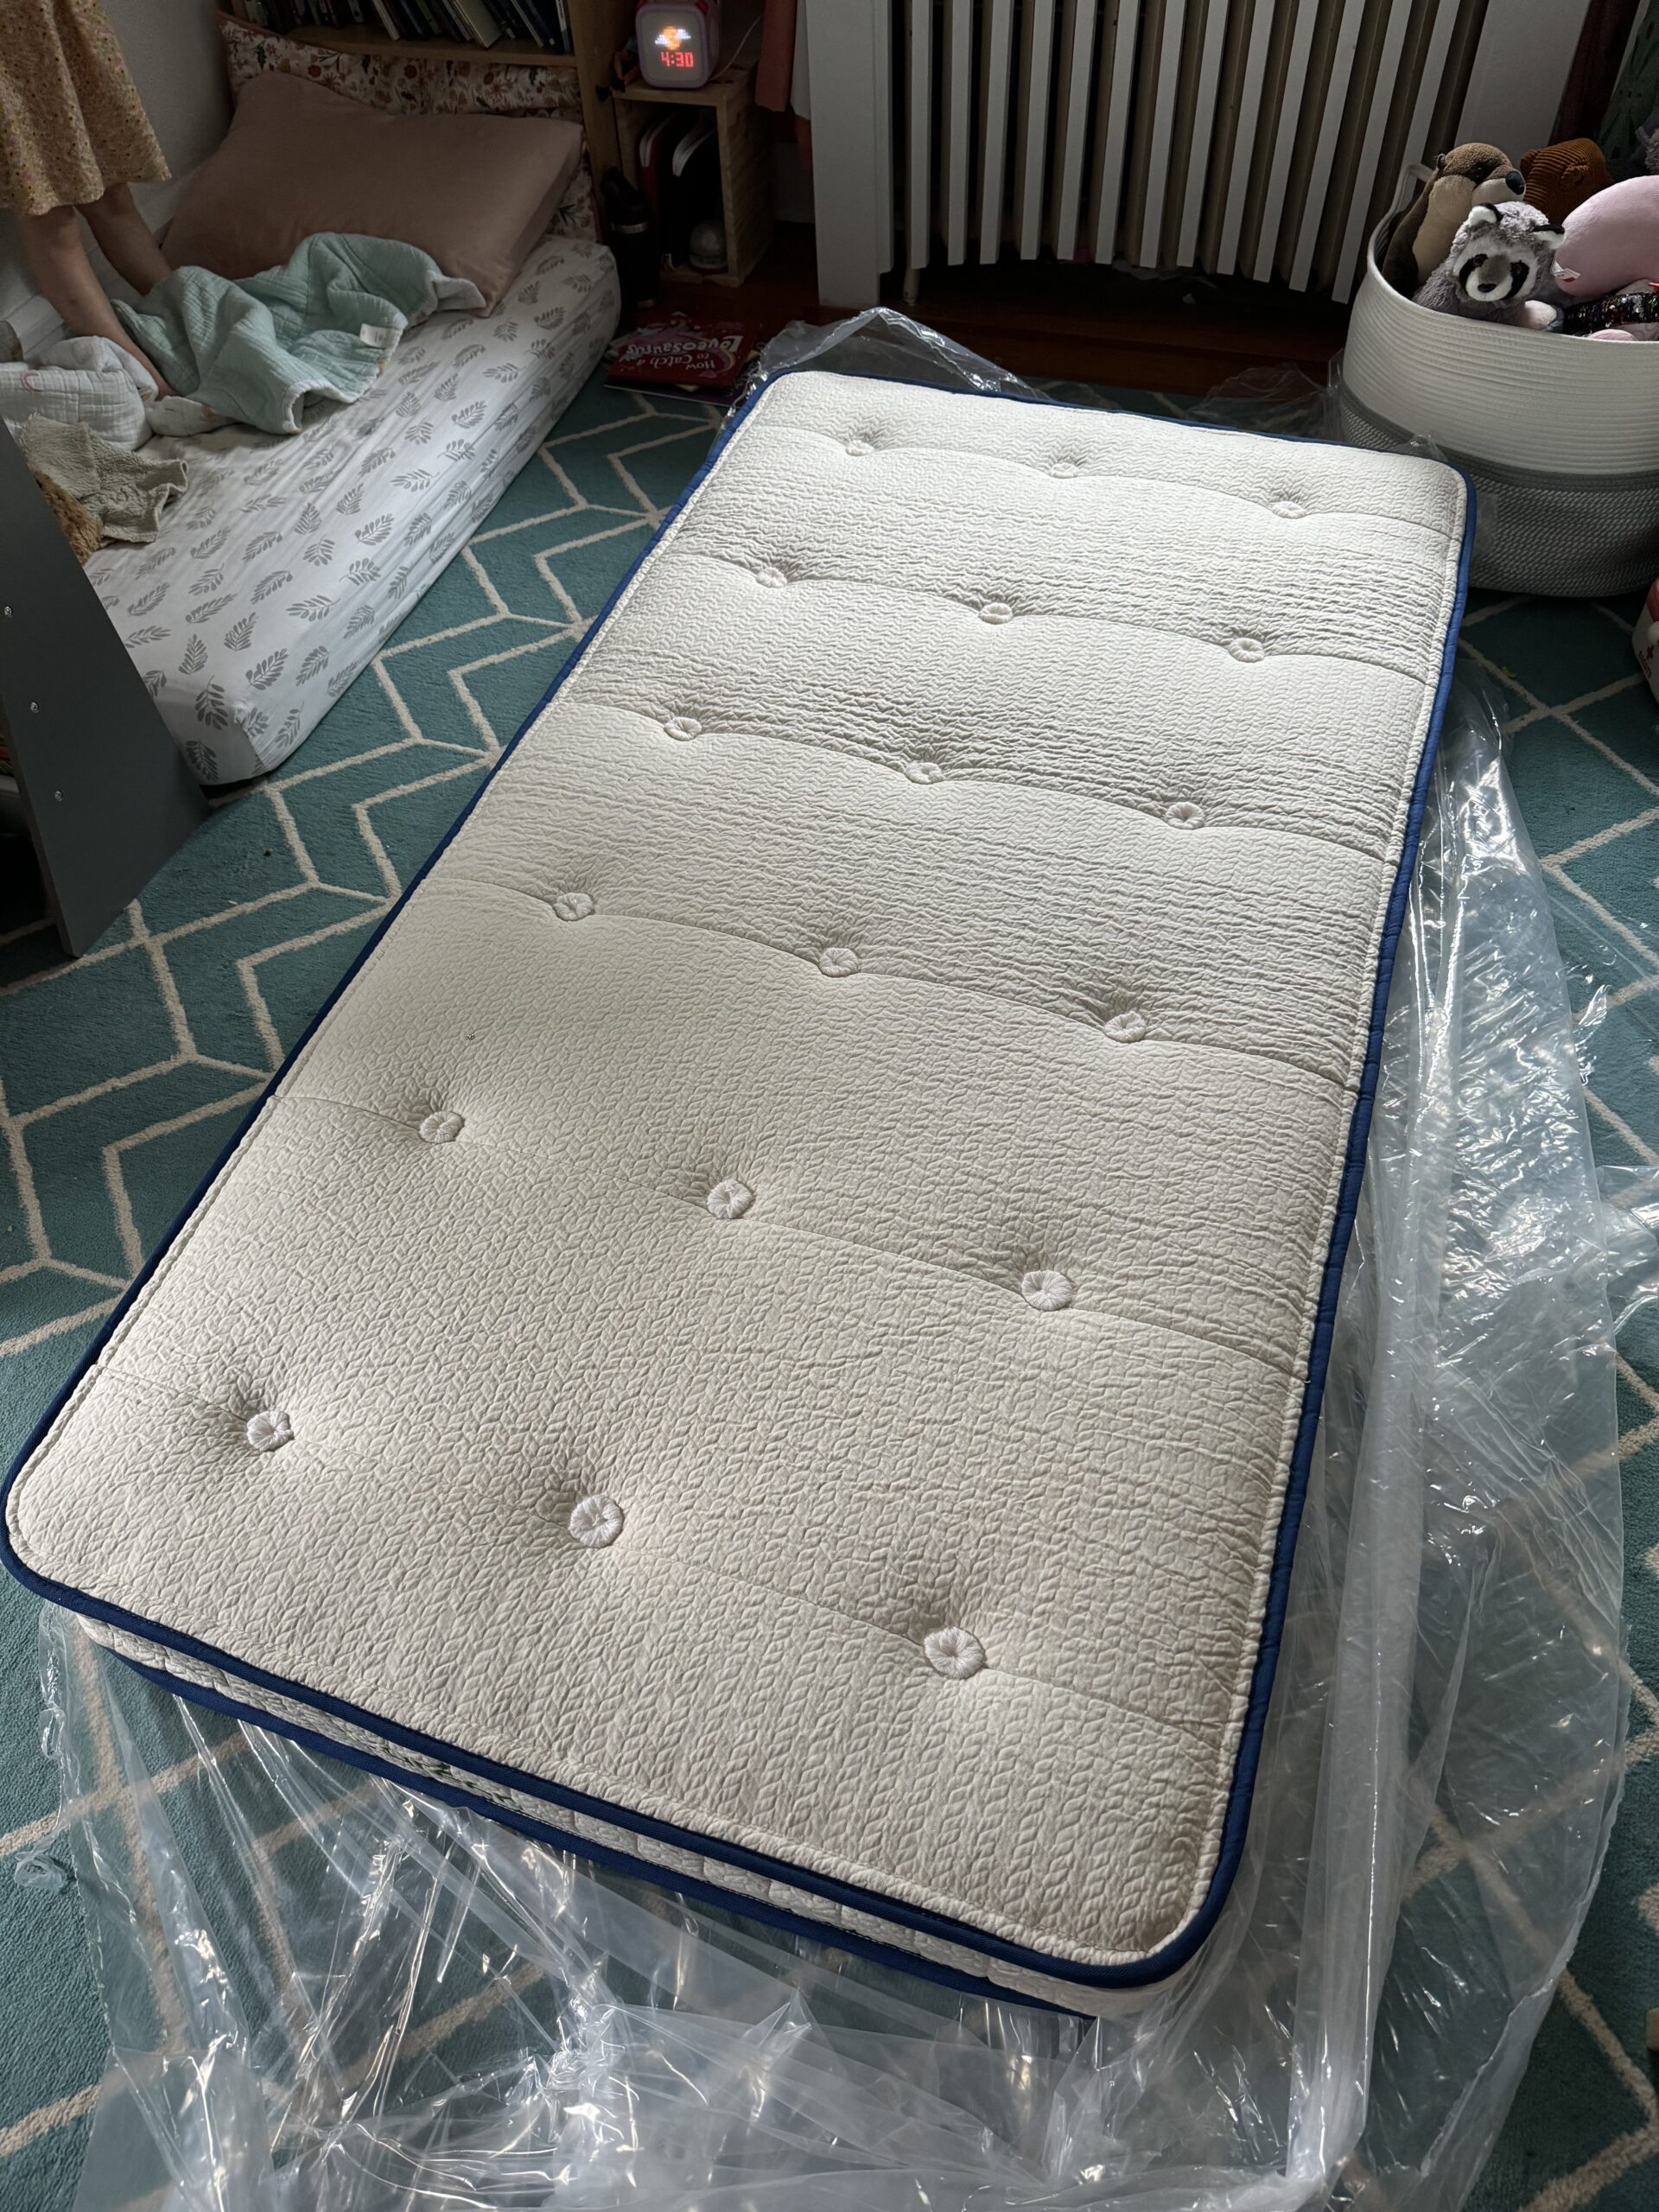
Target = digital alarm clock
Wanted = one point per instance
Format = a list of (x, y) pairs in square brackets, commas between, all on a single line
[(679, 45)]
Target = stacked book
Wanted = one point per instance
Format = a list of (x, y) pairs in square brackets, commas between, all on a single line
[(470, 22)]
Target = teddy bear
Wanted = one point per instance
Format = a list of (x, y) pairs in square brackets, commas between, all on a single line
[(1499, 259), (1562, 177), (1421, 236), (1608, 261)]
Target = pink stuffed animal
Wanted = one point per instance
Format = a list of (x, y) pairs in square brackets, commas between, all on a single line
[(1610, 246)]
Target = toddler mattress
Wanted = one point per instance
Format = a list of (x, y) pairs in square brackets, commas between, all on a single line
[(775, 1327), (288, 562)]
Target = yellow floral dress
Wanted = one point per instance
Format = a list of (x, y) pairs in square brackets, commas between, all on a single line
[(71, 121)]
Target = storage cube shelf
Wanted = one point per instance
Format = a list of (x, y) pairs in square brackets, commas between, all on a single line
[(745, 160)]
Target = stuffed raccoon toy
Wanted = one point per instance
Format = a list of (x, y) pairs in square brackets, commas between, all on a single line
[(1499, 258)]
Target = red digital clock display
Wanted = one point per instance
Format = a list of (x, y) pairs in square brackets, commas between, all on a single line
[(676, 48)]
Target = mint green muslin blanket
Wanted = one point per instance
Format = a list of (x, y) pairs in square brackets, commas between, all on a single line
[(256, 349)]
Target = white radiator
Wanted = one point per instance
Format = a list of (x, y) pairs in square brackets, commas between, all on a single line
[(1263, 137)]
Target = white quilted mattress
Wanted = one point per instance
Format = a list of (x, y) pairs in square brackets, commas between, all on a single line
[(287, 561), (775, 1328)]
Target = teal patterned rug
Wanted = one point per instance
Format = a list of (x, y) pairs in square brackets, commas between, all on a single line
[(122, 1074)]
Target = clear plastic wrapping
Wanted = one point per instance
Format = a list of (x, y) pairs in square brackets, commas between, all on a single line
[(326, 1992), (881, 342)]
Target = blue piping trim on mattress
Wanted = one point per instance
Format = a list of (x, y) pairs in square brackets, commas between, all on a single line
[(1157, 1965)]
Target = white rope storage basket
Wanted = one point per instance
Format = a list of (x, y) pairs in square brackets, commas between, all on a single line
[(1560, 435)]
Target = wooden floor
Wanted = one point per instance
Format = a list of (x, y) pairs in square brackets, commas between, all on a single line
[(1182, 333)]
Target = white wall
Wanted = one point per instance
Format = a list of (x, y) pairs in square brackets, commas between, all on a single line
[(1520, 73), (173, 50)]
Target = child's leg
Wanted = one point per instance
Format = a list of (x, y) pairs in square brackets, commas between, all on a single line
[(126, 240), (57, 261)]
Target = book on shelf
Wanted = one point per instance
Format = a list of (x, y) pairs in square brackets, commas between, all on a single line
[(482, 23), (537, 23)]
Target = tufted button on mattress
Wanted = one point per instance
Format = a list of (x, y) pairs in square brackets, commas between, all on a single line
[(1289, 510), (996, 611), (873, 1433), (441, 1128), (954, 1652), (730, 1198), (858, 448), (595, 1521)]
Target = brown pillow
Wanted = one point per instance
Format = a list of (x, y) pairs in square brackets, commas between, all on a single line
[(474, 191)]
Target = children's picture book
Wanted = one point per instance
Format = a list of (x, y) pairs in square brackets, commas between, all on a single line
[(675, 354)]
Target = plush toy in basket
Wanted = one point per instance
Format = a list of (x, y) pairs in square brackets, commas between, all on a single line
[(1562, 177), (1607, 261), (1500, 258)]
